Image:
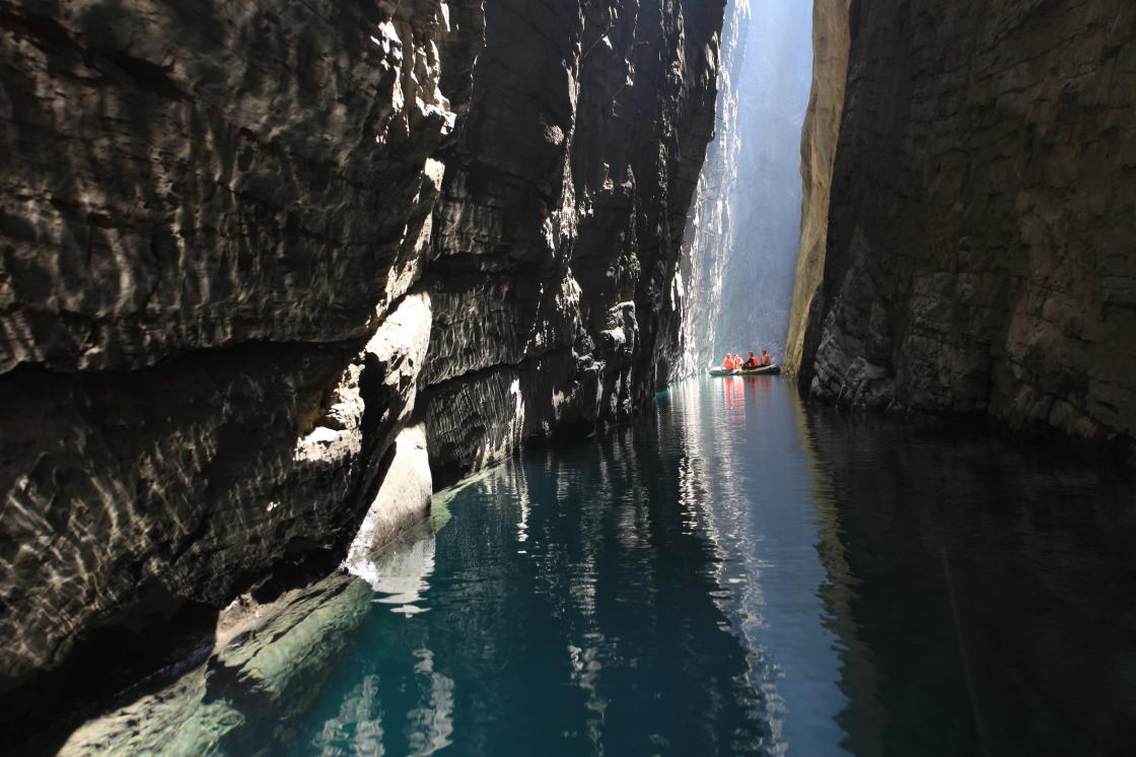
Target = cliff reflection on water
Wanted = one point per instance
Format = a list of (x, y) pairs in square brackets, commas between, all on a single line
[(732, 574), (983, 591)]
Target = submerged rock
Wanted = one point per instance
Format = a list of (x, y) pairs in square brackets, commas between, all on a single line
[(270, 658), (266, 663)]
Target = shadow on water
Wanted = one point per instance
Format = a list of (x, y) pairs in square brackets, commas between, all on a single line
[(988, 585)]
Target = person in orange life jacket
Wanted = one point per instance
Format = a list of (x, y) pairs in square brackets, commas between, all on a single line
[(751, 363), (765, 358)]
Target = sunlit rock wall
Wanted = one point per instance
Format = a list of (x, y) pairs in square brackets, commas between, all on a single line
[(244, 245), (209, 225), (818, 154), (983, 216)]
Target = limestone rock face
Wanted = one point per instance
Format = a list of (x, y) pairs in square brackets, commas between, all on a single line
[(554, 270), (983, 216), (244, 248), (173, 180), (205, 218)]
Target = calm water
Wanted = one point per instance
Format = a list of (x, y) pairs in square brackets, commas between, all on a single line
[(735, 575)]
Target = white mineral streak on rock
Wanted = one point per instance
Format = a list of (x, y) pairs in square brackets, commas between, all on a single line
[(411, 261), (515, 430), (341, 437), (402, 500), (400, 345)]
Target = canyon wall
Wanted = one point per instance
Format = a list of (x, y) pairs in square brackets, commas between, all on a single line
[(982, 221), (257, 261), (554, 272)]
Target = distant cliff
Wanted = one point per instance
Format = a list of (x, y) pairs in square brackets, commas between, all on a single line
[(710, 232), (742, 237), (260, 261), (982, 222)]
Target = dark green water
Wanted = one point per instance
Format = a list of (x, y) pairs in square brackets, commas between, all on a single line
[(735, 575)]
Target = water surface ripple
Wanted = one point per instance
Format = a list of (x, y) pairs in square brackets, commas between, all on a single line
[(734, 574)]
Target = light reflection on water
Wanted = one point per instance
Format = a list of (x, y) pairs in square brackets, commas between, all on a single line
[(765, 545), (399, 576), (732, 574)]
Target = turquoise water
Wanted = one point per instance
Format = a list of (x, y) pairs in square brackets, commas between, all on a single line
[(734, 574)]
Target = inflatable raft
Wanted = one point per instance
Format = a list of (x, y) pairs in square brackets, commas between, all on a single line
[(769, 370), (765, 370)]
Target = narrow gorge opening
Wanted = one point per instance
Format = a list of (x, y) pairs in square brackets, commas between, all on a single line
[(743, 234)]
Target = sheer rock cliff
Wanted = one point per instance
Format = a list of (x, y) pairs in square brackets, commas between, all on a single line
[(982, 222), (249, 250)]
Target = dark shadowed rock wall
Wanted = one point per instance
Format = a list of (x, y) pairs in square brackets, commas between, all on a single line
[(245, 247), (981, 239)]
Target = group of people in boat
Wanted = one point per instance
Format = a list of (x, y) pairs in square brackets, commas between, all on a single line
[(734, 362)]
